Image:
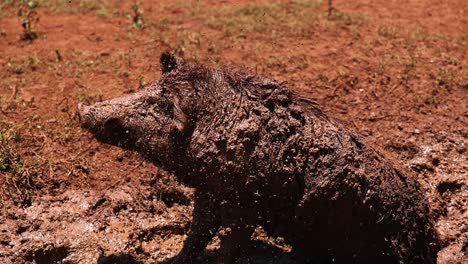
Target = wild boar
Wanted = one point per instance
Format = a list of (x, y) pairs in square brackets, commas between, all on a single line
[(259, 154)]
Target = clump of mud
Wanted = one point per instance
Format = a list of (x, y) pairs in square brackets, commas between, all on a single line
[(126, 222)]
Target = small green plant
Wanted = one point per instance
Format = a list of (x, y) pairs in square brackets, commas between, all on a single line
[(28, 16), (137, 16), (87, 97), (24, 64), (141, 81), (444, 78), (15, 178), (409, 67)]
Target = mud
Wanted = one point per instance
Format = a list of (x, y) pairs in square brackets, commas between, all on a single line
[(393, 70), (56, 230)]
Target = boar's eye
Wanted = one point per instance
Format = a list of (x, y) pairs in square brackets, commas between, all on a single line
[(167, 107), (151, 100)]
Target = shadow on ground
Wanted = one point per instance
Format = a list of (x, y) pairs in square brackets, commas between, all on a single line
[(258, 252), (121, 258)]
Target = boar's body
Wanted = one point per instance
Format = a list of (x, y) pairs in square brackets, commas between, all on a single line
[(258, 154)]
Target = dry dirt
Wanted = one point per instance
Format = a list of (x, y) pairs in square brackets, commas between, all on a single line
[(394, 71)]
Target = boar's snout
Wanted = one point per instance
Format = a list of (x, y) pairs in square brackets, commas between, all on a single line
[(84, 116), (97, 117), (102, 120)]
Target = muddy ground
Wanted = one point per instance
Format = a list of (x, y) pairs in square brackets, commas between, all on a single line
[(396, 71)]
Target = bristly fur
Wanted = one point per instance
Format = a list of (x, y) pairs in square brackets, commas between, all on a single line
[(258, 154)]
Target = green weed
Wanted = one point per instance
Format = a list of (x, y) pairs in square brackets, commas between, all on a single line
[(24, 64), (137, 16), (98, 7), (28, 16), (15, 177), (88, 97)]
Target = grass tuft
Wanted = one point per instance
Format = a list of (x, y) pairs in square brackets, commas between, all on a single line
[(15, 177)]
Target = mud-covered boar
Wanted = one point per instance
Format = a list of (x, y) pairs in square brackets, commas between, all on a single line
[(258, 154)]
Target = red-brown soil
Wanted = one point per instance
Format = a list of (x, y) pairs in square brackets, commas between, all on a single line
[(394, 71)]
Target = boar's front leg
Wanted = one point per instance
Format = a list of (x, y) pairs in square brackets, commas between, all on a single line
[(237, 230), (205, 223)]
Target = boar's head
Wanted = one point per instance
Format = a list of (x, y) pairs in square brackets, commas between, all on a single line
[(155, 121)]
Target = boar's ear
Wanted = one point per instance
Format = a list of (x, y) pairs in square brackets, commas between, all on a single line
[(169, 62), (181, 120)]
